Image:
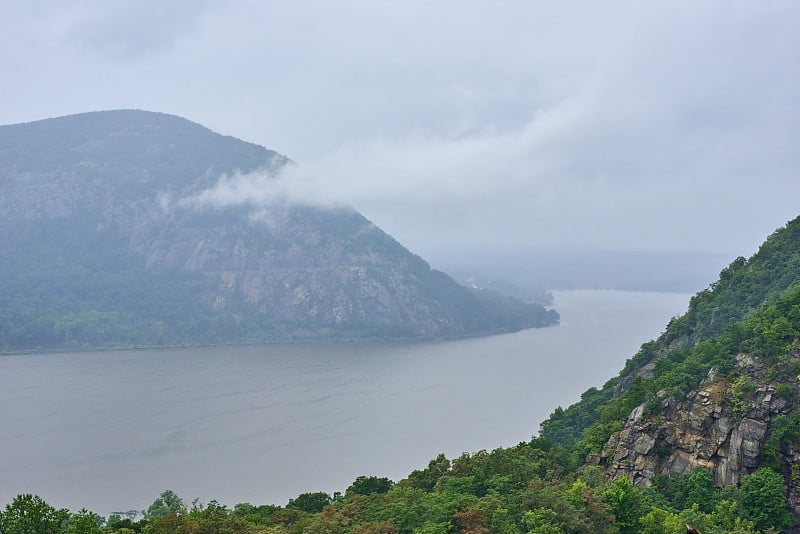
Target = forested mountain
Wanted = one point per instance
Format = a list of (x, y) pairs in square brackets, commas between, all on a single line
[(105, 245), (717, 390), (700, 430)]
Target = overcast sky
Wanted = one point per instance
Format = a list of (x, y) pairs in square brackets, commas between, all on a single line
[(461, 125)]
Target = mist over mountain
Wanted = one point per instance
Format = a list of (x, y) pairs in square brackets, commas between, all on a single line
[(111, 240)]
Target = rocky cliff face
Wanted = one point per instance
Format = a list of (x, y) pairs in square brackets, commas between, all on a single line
[(301, 267), (126, 199), (723, 426)]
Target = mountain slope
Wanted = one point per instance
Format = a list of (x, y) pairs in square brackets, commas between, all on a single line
[(107, 247), (718, 390)]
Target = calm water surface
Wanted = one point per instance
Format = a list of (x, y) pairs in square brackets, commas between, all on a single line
[(261, 424)]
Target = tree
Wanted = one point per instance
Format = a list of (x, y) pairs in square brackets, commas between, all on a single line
[(171, 524), (764, 501), (625, 501), (29, 514), (85, 522), (428, 477), (726, 516), (383, 527), (312, 503), (364, 485), (215, 518), (658, 521), (260, 515), (541, 521), (471, 521), (167, 503), (118, 524)]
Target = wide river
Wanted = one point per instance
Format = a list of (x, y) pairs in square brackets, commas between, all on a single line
[(261, 424)]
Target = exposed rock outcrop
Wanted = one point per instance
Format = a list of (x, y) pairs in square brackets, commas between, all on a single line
[(140, 200), (714, 427)]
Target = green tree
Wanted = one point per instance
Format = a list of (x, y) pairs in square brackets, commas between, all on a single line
[(502, 521), (726, 516), (625, 501), (312, 503), (764, 500), (167, 503), (171, 524), (742, 389), (541, 521), (658, 521), (215, 518), (427, 478), (683, 491), (364, 485), (259, 515), (29, 514), (85, 522), (700, 490), (117, 523)]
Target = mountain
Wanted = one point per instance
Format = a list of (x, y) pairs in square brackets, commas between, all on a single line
[(564, 269), (718, 390), (108, 244), (504, 287)]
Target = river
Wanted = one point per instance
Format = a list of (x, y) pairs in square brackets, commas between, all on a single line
[(261, 424)]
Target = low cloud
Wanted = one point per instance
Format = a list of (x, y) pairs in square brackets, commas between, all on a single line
[(418, 172), (257, 189), (460, 125)]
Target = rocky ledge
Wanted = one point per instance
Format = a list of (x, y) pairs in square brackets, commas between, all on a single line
[(719, 427)]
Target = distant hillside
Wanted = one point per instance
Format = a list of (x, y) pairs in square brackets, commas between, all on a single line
[(103, 251), (664, 271), (504, 287)]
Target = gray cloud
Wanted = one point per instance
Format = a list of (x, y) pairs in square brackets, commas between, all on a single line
[(130, 30), (461, 125), (255, 189)]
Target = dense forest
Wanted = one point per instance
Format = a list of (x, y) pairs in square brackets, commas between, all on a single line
[(82, 288), (532, 487), (549, 484)]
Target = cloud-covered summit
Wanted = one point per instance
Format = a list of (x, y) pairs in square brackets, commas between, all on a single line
[(462, 124)]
